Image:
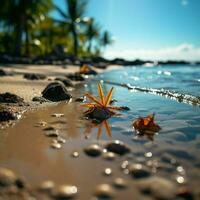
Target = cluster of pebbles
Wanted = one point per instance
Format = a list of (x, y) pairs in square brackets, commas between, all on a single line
[(142, 173)]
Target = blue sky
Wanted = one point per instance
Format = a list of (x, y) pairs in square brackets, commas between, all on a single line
[(149, 29)]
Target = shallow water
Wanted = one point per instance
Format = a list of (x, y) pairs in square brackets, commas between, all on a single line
[(25, 149)]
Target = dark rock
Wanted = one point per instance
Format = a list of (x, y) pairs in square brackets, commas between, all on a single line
[(20, 183), (66, 81), (56, 92), (10, 98), (7, 177), (93, 150), (75, 77), (40, 99), (99, 114), (33, 76), (104, 191), (124, 108), (118, 147), (139, 171), (7, 114)]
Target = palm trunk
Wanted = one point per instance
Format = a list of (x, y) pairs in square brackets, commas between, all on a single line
[(27, 39), (18, 39), (75, 39)]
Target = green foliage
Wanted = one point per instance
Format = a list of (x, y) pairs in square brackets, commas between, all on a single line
[(27, 28)]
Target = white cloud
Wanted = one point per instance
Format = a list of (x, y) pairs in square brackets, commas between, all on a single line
[(181, 52), (184, 2)]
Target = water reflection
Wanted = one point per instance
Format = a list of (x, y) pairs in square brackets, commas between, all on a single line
[(99, 126)]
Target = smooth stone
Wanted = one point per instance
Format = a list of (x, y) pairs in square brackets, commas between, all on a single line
[(158, 187), (7, 177), (57, 115), (120, 183), (52, 134), (65, 192), (32, 76), (10, 98), (56, 145), (40, 99), (75, 77), (67, 82), (75, 154), (49, 128), (56, 92), (104, 191), (109, 156), (99, 114), (139, 171), (46, 186), (93, 150), (107, 171), (60, 140), (118, 147)]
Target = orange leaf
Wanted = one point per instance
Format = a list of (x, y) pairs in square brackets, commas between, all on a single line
[(101, 94), (92, 98), (109, 97), (108, 130)]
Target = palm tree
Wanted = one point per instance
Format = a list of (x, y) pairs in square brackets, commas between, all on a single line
[(92, 32), (74, 16), (106, 39), (21, 15)]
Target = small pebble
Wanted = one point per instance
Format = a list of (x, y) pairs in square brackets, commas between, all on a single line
[(66, 192), (46, 186), (7, 177), (120, 183), (93, 150), (52, 134), (124, 164), (56, 145), (60, 140), (139, 171), (104, 191), (108, 171), (75, 154), (57, 115), (109, 156), (118, 147)]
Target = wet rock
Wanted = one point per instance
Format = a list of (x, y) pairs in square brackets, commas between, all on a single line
[(10, 98), (7, 114), (56, 92), (99, 114), (7, 177), (104, 191), (75, 154), (32, 76), (158, 187), (60, 140), (56, 145), (80, 99), (93, 150), (46, 186), (107, 171), (113, 101), (21, 183), (49, 128), (40, 99), (109, 156), (139, 171), (65, 192), (120, 183), (57, 115), (66, 81), (75, 77), (118, 147), (52, 134), (185, 193)]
